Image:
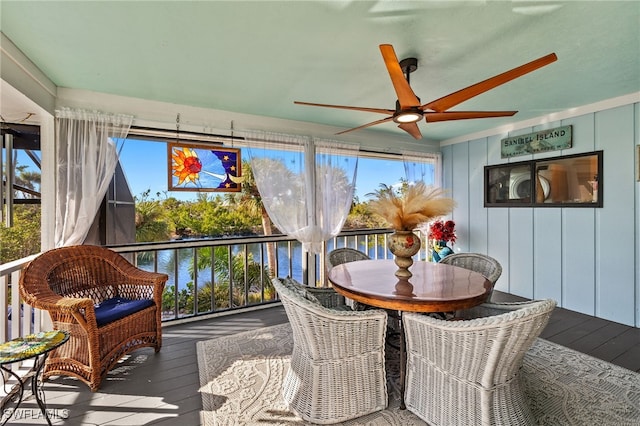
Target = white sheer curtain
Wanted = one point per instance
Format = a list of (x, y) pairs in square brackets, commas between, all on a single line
[(86, 159), (306, 186), (425, 167), (422, 166)]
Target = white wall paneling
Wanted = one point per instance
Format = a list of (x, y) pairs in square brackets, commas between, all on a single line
[(547, 254), (637, 214), (461, 191), (615, 238), (477, 154), (521, 251), (637, 210), (498, 242), (578, 260), (585, 258), (497, 219)]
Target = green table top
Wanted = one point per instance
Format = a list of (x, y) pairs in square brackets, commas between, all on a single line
[(31, 346)]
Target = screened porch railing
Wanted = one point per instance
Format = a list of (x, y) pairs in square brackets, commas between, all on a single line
[(232, 273)]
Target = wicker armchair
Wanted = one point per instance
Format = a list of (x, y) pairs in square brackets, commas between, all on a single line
[(343, 255), (486, 265), (109, 307), (326, 296), (467, 372), (337, 368)]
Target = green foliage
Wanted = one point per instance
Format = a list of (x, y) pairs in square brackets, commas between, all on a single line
[(213, 215), (151, 220), (244, 269), (23, 238), (207, 216), (361, 217)]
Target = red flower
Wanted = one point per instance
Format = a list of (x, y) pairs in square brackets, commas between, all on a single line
[(409, 242), (443, 231)]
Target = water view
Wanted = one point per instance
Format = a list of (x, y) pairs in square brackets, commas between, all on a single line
[(289, 262)]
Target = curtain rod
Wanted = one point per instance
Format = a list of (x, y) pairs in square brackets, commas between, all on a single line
[(398, 154), (165, 135)]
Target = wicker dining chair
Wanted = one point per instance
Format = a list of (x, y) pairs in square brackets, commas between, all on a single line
[(481, 263), (467, 372), (109, 307), (337, 367), (343, 255)]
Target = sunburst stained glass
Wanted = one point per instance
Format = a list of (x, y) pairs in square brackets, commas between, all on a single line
[(204, 168)]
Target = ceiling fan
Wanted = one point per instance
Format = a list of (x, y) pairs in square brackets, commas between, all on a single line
[(409, 110)]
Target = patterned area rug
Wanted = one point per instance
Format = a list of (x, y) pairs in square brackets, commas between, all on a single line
[(241, 375)]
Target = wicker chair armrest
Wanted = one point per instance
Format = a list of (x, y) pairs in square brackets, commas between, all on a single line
[(490, 309), (488, 315), (55, 302)]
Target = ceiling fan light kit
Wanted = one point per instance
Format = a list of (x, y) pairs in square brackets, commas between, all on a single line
[(409, 111), (408, 116)]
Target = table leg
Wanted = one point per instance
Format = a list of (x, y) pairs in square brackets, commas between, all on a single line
[(10, 396), (36, 390), (403, 361)]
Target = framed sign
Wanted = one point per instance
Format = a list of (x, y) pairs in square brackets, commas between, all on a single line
[(203, 168), (532, 143)]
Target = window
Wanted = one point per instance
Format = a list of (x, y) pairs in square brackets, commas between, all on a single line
[(567, 181), (141, 184)]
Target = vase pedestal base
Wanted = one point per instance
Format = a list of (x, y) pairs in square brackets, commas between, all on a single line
[(403, 263)]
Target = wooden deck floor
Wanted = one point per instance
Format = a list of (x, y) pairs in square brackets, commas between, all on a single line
[(162, 389)]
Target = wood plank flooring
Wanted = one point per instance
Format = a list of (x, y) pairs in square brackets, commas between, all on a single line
[(612, 342), (162, 389)]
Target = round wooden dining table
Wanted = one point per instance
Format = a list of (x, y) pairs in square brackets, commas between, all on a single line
[(434, 287)]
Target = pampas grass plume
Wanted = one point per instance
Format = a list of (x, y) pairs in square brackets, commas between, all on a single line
[(419, 204)]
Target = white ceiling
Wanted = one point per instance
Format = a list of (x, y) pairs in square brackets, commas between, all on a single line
[(257, 57)]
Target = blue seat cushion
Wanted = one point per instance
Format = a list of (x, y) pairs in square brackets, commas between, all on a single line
[(118, 307)]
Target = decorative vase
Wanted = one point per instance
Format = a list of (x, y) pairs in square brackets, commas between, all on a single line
[(440, 249), (403, 245)]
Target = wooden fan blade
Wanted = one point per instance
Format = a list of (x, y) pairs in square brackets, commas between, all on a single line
[(412, 129), (406, 97), (444, 103), (376, 110), (373, 123), (432, 117)]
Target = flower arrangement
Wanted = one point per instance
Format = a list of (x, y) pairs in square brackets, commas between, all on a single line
[(414, 205), (443, 231)]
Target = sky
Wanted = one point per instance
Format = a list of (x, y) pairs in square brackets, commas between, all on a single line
[(146, 168)]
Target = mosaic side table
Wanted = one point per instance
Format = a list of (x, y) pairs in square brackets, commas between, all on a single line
[(35, 346)]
